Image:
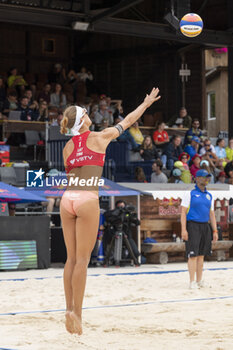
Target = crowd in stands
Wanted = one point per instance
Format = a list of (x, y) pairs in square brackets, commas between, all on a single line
[(173, 160)]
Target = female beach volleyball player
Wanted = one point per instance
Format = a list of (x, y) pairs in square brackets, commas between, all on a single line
[(84, 158)]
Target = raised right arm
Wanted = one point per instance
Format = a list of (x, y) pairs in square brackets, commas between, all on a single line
[(111, 133)]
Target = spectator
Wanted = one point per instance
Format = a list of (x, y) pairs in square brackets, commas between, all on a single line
[(43, 111), (172, 152), (57, 121), (157, 175), (220, 151), (209, 151), (176, 176), (32, 104), (184, 158), (228, 168), (230, 177), (194, 131), (45, 94), (2, 93), (103, 117), (229, 149), (16, 81), (185, 176), (221, 178), (58, 99), (127, 137), (11, 103), (84, 75), (196, 159), (58, 74), (26, 112), (140, 175), (204, 164), (182, 121), (136, 133), (192, 148), (148, 151), (160, 136)]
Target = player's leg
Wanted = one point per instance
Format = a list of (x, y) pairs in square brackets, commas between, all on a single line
[(69, 233), (87, 223)]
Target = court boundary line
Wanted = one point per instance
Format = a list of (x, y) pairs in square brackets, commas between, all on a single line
[(121, 305), (116, 274)]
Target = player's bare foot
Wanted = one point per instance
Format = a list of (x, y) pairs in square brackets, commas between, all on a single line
[(69, 323), (77, 323)]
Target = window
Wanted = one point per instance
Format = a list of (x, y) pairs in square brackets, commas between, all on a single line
[(211, 105), (48, 46)]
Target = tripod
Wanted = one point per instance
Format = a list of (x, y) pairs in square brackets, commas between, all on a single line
[(117, 241)]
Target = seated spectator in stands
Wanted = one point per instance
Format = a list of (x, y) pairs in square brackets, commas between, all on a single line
[(193, 147), (103, 117), (84, 75), (2, 93), (228, 167), (160, 136), (183, 120), (26, 112), (140, 175), (194, 131), (204, 164), (119, 111), (43, 112), (32, 104), (11, 103), (220, 151), (58, 74), (175, 178), (127, 137), (58, 98), (229, 149), (148, 151), (45, 94), (157, 175), (185, 176), (209, 151), (221, 178), (196, 159), (184, 158), (16, 81), (136, 133), (171, 152), (230, 177), (57, 121)]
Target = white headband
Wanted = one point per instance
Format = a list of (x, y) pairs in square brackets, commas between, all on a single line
[(77, 125)]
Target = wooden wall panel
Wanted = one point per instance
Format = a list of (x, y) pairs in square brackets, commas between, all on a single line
[(12, 42)]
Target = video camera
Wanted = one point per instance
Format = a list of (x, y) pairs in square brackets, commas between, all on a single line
[(120, 217)]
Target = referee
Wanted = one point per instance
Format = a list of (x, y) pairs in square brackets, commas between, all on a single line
[(197, 209)]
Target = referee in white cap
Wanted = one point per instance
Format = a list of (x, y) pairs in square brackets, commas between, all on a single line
[(197, 210)]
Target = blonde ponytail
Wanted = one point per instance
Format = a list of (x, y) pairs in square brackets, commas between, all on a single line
[(68, 119), (64, 123)]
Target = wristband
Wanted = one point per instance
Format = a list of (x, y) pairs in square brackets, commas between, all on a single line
[(119, 127), (215, 231)]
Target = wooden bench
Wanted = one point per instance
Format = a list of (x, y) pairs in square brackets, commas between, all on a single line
[(158, 252)]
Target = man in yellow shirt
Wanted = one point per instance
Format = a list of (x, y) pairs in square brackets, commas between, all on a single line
[(136, 133)]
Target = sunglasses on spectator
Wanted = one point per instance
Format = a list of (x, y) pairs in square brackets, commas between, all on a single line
[(207, 144), (184, 157)]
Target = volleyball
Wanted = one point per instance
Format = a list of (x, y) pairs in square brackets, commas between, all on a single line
[(191, 25)]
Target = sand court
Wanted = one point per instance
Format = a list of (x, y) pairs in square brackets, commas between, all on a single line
[(149, 307)]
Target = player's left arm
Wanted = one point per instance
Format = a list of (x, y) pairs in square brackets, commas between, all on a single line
[(213, 225)]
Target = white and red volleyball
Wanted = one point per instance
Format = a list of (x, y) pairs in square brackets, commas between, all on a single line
[(191, 25)]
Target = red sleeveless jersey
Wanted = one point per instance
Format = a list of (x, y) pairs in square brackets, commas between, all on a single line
[(82, 155)]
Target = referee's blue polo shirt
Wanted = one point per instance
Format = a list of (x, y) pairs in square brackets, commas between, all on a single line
[(199, 205)]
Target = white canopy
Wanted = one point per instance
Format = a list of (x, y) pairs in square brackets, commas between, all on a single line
[(175, 191)]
